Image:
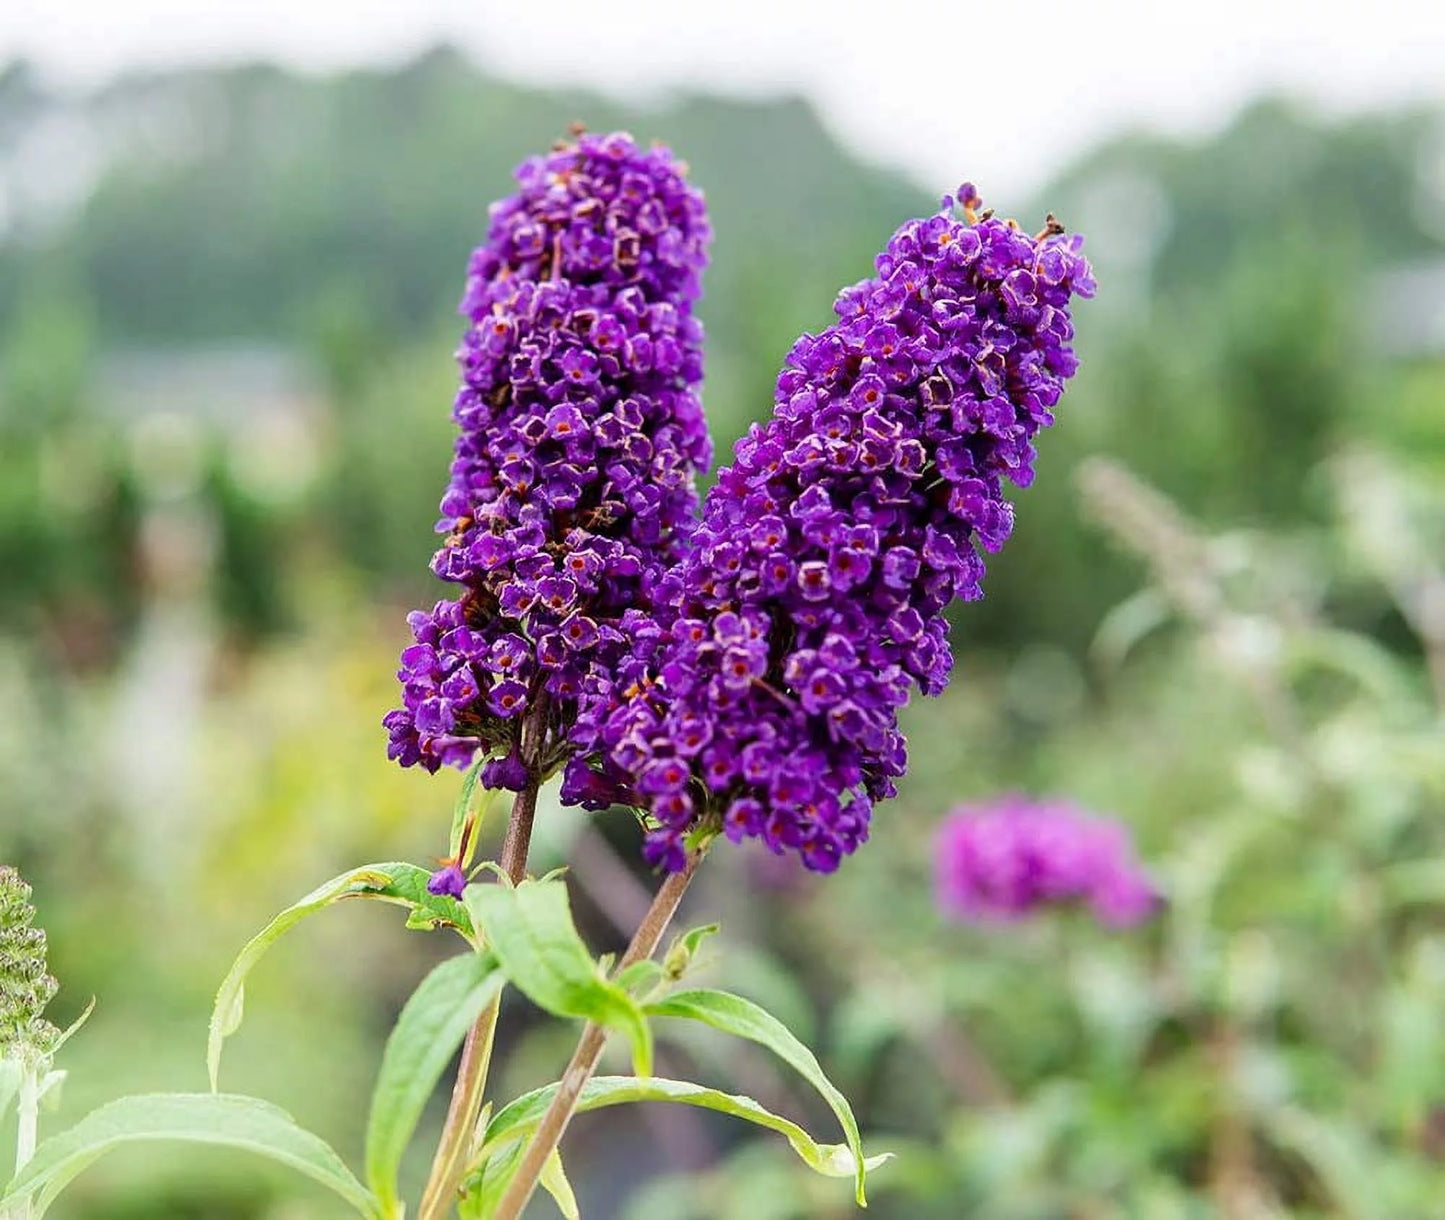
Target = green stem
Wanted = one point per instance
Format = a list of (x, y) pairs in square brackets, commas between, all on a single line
[(459, 1130), (589, 1050), (27, 1128)]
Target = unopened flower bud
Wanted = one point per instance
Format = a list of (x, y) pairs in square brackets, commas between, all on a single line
[(26, 986)]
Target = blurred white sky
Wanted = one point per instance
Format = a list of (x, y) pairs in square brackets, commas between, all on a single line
[(1000, 93)]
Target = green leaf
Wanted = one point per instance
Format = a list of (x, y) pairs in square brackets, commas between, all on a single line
[(466, 821), (49, 1090), (553, 1180), (483, 1189), (531, 931), (406, 886), (650, 979), (74, 1027), (400, 883), (642, 976), (429, 1030), (463, 806), (511, 1126), (743, 1019), (198, 1118)]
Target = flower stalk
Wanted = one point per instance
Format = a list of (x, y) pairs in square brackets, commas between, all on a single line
[(459, 1129), (27, 1127), (589, 1048)]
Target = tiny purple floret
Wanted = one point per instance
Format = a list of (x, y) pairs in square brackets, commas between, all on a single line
[(449, 880)]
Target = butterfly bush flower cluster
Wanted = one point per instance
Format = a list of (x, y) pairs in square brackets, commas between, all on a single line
[(1002, 861), (581, 431), (811, 603)]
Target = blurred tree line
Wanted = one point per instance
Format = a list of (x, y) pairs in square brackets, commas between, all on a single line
[(1237, 337)]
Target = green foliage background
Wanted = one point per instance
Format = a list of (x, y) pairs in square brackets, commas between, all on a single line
[(224, 386)]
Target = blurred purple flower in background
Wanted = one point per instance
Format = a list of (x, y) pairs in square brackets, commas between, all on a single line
[(581, 431), (812, 602), (1001, 860)]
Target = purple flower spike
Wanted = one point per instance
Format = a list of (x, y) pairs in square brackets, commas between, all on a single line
[(811, 604), (1001, 861), (581, 432)]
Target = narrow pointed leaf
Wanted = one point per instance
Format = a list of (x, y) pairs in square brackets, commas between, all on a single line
[(74, 1027), (530, 930), (743, 1019), (197, 1118), (428, 1032), (554, 1181), (514, 1123), (400, 883), (466, 820), (49, 1090), (683, 951), (691, 941), (463, 806)]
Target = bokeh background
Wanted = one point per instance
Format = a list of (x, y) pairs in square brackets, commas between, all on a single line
[(231, 241)]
